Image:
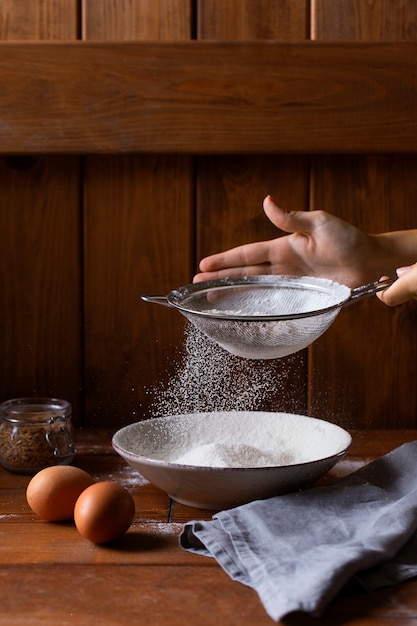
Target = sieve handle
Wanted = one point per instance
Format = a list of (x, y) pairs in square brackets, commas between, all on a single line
[(157, 300), (370, 289)]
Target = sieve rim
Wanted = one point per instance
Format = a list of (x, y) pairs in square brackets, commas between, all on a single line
[(178, 297)]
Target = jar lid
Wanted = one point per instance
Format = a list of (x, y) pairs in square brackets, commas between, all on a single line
[(33, 410)]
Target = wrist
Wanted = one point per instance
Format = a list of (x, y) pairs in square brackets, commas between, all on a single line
[(393, 250)]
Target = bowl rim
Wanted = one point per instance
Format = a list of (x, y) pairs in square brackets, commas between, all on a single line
[(134, 456)]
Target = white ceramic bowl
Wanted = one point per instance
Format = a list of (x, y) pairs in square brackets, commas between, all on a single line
[(294, 451)]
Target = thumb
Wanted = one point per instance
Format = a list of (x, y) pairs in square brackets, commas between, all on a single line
[(288, 221)]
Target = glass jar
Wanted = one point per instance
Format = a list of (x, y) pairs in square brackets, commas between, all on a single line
[(35, 433)]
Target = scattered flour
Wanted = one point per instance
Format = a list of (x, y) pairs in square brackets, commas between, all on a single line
[(211, 379), (127, 477)]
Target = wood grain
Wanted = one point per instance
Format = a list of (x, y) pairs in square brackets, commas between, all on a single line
[(138, 229), (245, 20), (130, 20), (145, 577), (38, 20), (137, 217), (259, 105), (368, 359), (364, 20), (230, 188), (171, 97), (229, 209), (40, 254), (41, 313)]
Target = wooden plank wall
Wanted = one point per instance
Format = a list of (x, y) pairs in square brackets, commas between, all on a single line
[(365, 369), (84, 236), (138, 212), (41, 277)]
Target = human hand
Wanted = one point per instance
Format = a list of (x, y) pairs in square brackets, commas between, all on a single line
[(403, 289), (320, 245)]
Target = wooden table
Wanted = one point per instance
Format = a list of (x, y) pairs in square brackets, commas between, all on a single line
[(50, 575)]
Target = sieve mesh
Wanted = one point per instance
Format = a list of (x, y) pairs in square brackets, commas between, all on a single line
[(263, 339), (259, 300), (265, 317), (262, 317)]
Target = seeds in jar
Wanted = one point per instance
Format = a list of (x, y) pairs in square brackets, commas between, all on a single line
[(26, 446)]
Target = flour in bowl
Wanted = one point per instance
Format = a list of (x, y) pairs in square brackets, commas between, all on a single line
[(236, 439), (233, 455)]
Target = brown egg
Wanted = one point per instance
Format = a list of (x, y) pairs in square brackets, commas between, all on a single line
[(104, 511), (53, 492)]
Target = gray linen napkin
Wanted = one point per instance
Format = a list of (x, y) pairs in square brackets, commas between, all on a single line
[(298, 550)]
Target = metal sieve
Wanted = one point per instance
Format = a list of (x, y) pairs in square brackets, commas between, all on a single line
[(264, 317)]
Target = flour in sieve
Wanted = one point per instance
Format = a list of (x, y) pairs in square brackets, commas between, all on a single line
[(282, 301), (270, 338)]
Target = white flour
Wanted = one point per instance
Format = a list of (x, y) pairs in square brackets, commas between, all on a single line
[(234, 439), (272, 338), (238, 455), (283, 300), (211, 379)]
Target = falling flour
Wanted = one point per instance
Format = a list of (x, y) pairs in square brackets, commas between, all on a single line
[(211, 379)]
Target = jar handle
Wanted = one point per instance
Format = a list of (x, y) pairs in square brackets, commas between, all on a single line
[(63, 448)]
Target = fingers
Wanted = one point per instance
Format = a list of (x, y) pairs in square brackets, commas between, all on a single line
[(255, 258), (288, 221), (403, 289), (400, 271), (235, 272), (239, 261), (257, 253)]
